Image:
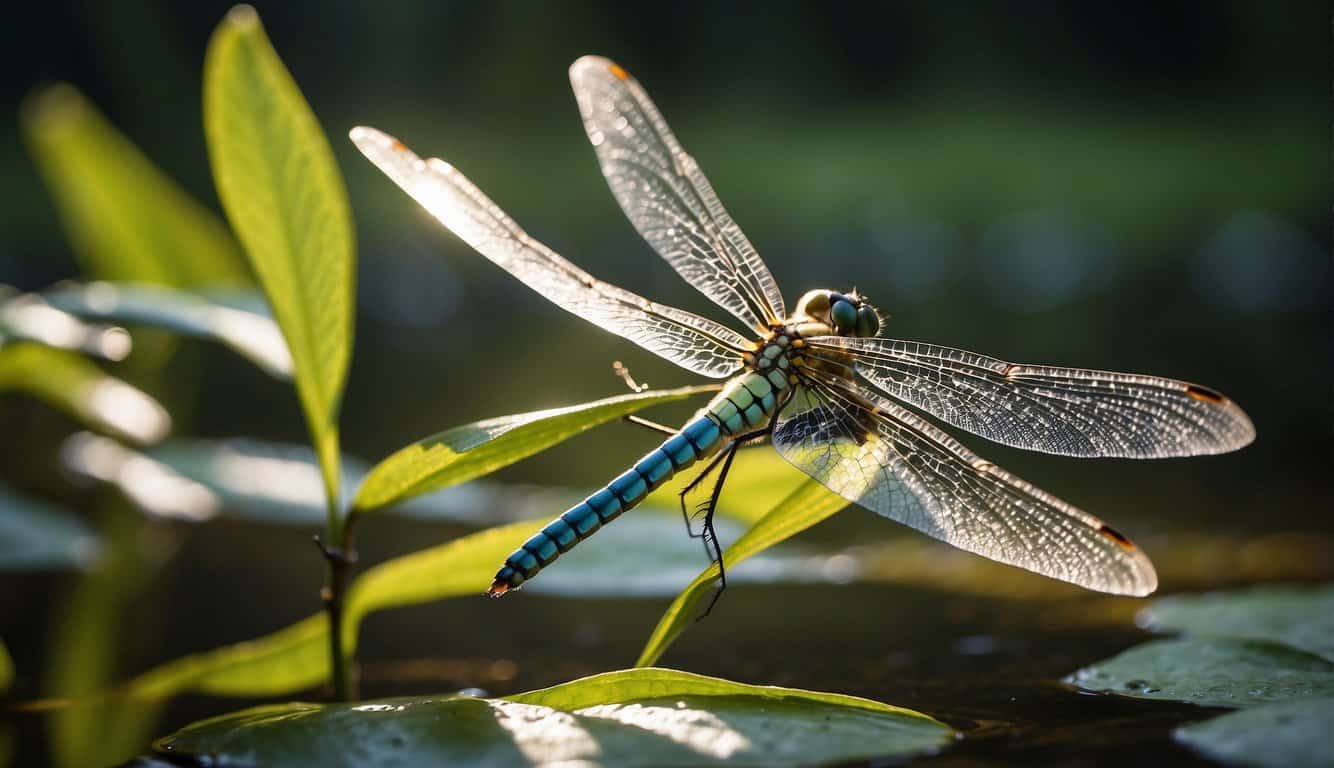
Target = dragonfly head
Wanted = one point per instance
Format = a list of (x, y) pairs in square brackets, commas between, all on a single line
[(848, 314)]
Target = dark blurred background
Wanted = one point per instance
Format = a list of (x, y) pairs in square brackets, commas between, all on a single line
[(1140, 186)]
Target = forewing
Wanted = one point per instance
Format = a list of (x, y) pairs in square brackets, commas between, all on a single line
[(885, 458), (1067, 411), (666, 196), (691, 341)]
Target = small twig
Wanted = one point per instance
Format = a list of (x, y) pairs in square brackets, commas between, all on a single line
[(339, 562)]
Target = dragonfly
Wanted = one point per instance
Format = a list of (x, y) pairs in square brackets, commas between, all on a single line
[(834, 397)]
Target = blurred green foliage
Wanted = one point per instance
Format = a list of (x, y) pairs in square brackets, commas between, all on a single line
[(126, 219)]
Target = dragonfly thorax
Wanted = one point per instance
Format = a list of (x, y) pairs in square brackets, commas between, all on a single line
[(842, 314)]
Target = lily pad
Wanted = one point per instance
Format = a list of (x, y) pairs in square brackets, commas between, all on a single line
[(1218, 672), (1300, 617), (1288, 734), (645, 717)]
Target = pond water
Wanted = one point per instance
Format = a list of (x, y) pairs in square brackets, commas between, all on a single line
[(983, 648)]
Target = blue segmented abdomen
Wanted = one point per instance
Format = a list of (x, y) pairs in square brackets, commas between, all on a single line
[(699, 439), (745, 404)]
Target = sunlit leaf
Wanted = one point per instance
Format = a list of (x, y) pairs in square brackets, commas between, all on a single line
[(253, 336), (1286, 734), (292, 659), (286, 201), (66, 381), (126, 219), (804, 507), (1300, 617), (35, 535), (476, 449), (637, 718), (1218, 672), (464, 566)]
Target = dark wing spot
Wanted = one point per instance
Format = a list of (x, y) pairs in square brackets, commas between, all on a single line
[(1204, 394), (1009, 369), (1116, 536)]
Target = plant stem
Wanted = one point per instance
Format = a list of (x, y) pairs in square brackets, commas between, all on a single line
[(339, 562)]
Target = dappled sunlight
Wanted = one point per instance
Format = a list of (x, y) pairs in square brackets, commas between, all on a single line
[(151, 485), (128, 410), (546, 736), (255, 333), (702, 732), (287, 481), (32, 319)]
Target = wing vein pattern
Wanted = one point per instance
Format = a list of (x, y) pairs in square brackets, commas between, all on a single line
[(1066, 411), (693, 342), (888, 459), (666, 196)]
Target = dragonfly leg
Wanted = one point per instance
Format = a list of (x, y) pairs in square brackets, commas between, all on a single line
[(704, 474), (653, 425), (620, 370), (712, 546)]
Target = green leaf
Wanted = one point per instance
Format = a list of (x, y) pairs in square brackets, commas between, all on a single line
[(126, 219), (1300, 617), (71, 384), (804, 507), (463, 453), (1218, 672), (635, 718), (464, 566), (253, 336), (1287, 734), (35, 535), (286, 201), (296, 658), (292, 659)]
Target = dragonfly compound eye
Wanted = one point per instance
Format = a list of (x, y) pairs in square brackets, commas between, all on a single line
[(868, 323), (844, 315)]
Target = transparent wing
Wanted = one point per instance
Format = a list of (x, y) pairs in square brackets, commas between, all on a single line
[(691, 341), (1067, 411), (666, 197), (885, 458)]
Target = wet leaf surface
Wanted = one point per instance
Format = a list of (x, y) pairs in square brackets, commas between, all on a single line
[(1216, 672), (1288, 734), (645, 717), (1300, 617)]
